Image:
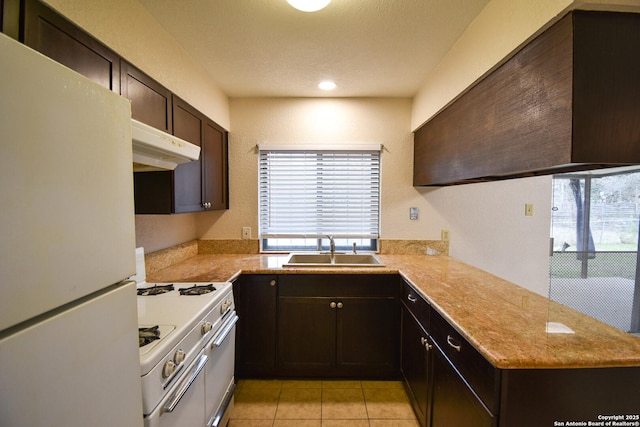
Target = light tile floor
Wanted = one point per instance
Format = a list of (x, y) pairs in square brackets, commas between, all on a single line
[(299, 403)]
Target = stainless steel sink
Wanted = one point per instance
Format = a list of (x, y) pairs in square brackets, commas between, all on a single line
[(339, 260)]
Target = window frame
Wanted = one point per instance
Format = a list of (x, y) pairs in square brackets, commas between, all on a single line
[(315, 238)]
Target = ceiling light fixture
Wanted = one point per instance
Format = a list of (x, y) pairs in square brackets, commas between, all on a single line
[(309, 5), (327, 85)]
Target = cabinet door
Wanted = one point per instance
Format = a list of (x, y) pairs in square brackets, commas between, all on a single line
[(214, 167), (453, 402), (255, 298), (188, 124), (414, 364), (54, 36), (306, 335), (150, 101), (367, 335)]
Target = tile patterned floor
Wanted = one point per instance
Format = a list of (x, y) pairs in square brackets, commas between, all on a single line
[(297, 403)]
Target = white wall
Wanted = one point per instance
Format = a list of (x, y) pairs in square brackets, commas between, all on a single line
[(299, 120)]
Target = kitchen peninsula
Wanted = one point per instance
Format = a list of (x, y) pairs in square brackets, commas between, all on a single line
[(537, 377)]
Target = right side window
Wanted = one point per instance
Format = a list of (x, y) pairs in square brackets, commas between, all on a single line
[(595, 228)]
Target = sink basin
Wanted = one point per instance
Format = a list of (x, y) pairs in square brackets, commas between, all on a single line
[(360, 259), (340, 260)]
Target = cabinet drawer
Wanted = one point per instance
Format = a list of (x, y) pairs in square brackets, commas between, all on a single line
[(344, 285), (416, 304), (479, 373)]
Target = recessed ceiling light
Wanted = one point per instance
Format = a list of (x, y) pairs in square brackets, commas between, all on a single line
[(309, 5), (327, 85)]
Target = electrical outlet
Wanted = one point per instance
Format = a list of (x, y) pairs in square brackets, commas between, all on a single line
[(444, 235), (528, 209), (246, 232)]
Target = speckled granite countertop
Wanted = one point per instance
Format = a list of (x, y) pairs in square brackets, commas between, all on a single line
[(505, 322)]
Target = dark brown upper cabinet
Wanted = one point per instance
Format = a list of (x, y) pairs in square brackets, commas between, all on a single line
[(150, 101), (568, 100), (56, 37), (215, 170), (195, 186), (192, 187)]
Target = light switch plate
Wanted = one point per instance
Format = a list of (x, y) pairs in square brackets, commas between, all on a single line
[(413, 213)]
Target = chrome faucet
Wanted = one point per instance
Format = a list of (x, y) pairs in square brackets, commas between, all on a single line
[(332, 249)]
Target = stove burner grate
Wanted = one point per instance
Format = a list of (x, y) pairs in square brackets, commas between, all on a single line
[(197, 290), (148, 335), (155, 290)]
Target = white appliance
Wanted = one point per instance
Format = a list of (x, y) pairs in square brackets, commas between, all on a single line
[(187, 351), (68, 321), (187, 374), (157, 150)]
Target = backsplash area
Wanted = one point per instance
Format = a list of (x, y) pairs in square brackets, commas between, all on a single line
[(164, 258)]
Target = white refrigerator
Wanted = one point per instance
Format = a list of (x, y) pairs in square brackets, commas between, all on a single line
[(68, 323)]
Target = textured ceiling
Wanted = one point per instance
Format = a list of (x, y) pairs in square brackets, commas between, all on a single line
[(265, 48)]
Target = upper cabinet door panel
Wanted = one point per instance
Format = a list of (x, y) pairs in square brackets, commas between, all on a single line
[(215, 170), (54, 36), (606, 87), (188, 124), (150, 101)]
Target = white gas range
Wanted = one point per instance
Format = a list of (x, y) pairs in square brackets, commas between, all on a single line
[(187, 351)]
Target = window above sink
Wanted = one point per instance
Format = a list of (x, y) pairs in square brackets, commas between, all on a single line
[(309, 192)]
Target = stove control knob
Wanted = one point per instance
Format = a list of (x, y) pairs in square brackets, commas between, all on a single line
[(178, 358), (168, 369), (206, 328), (226, 306)]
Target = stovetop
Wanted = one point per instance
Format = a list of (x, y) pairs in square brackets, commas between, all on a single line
[(176, 315)]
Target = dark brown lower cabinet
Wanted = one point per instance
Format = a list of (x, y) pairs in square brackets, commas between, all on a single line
[(307, 340), (317, 326), (454, 403), (449, 383), (415, 364), (552, 397), (255, 298), (342, 326)]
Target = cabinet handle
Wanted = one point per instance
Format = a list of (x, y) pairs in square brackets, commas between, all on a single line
[(333, 304), (411, 298), (272, 282), (452, 344), (340, 305), (425, 343)]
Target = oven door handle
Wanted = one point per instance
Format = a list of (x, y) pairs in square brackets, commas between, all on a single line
[(184, 387), (215, 420), (224, 331)]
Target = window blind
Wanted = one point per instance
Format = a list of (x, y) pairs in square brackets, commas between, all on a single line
[(315, 193)]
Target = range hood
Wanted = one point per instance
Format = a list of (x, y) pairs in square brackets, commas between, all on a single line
[(156, 150)]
